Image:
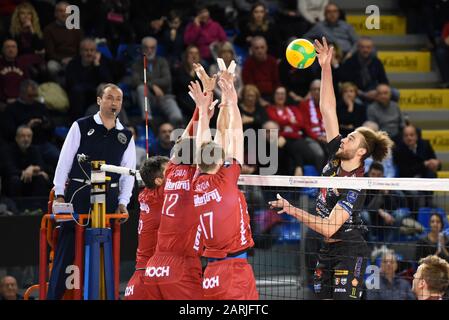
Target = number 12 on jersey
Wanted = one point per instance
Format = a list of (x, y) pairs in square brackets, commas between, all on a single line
[(169, 201)]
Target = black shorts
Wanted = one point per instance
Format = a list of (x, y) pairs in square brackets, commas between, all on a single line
[(340, 270)]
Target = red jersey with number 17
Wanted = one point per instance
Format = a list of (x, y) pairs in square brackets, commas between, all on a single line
[(223, 213), (150, 201), (178, 230)]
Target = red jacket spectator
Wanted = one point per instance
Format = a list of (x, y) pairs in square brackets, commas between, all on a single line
[(313, 121), (263, 74), (202, 32), (445, 32), (289, 119)]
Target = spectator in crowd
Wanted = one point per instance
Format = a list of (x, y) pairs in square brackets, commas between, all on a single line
[(61, 43), (386, 113), (141, 153), (313, 121), (290, 21), (27, 110), (442, 55), (9, 289), (83, 74), (149, 17), (351, 112), (26, 30), (259, 24), (275, 147), (335, 30), (391, 287), (387, 163), (28, 177), (159, 83), (290, 120), (261, 69), (13, 70), (415, 157), (173, 39), (253, 115), (227, 53), (113, 23), (202, 32), (244, 7), (435, 242), (383, 212), (365, 70), (7, 205), (312, 10), (183, 75), (163, 144), (431, 280)]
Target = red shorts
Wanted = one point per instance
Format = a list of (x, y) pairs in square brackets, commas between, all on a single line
[(229, 279), (173, 277), (136, 288)]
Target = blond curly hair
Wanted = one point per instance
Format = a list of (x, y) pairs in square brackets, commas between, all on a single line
[(16, 27)]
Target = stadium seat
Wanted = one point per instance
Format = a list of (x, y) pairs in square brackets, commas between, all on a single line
[(104, 50), (128, 52), (241, 54), (61, 131)]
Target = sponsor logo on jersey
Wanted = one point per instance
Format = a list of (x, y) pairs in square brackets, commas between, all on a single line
[(177, 185), (243, 240), (157, 271), (90, 132), (201, 187), (179, 173), (207, 197), (129, 291), (339, 290), (210, 283), (196, 245), (144, 207), (352, 196)]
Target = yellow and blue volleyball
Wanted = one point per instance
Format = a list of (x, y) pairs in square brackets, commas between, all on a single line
[(300, 53)]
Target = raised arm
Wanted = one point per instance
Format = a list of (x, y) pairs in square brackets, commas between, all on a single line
[(235, 147), (223, 119), (203, 102), (328, 104)]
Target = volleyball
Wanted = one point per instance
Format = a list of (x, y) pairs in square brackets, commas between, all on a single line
[(300, 53)]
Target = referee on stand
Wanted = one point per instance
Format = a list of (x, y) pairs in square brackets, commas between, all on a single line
[(342, 260), (99, 137)]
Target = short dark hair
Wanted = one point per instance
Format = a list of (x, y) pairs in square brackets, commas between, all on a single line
[(376, 166), (211, 154), (183, 152), (102, 87), (151, 169)]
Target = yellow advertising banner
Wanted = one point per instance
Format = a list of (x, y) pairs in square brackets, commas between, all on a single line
[(424, 99), (438, 138), (443, 174), (388, 25), (405, 61)]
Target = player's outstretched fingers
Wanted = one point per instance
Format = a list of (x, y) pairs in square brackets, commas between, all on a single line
[(318, 46), (325, 43)]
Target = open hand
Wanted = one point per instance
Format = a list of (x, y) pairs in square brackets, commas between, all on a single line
[(208, 82), (280, 203), (323, 52)]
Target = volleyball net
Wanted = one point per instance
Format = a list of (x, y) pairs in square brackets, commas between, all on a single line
[(397, 214)]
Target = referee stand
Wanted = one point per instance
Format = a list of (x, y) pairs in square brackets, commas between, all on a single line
[(97, 247)]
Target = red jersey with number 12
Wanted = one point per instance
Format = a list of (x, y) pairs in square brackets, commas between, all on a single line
[(223, 213), (178, 229)]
